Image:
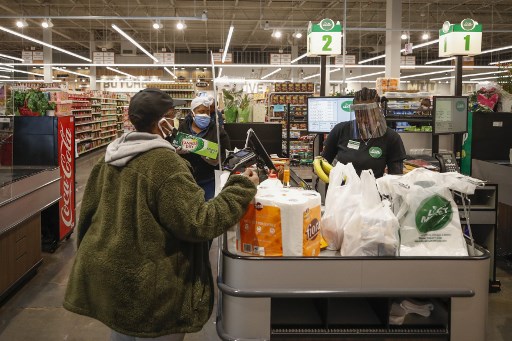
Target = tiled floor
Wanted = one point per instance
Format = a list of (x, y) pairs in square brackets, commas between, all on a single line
[(35, 311)]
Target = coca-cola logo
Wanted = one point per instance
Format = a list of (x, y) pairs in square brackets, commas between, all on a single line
[(313, 229), (66, 167)]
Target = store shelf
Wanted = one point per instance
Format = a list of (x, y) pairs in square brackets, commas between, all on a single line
[(110, 125), (178, 90), (84, 123), (93, 148), (95, 104), (83, 116), (83, 131), (292, 93), (79, 101), (84, 140)]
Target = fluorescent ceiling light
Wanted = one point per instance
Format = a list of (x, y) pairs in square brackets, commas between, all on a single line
[(1, 76), (334, 70), (439, 60), (427, 73), (11, 57), (230, 33), (497, 49), (69, 71), (315, 75), (442, 78), (484, 78), (298, 58), (169, 72), (43, 43), (131, 40), (402, 50), (367, 75), (484, 73), (501, 62), (180, 25), (121, 72), (220, 72), (371, 59), (21, 71), (270, 74)]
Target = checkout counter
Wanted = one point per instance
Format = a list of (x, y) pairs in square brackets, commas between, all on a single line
[(29, 195)]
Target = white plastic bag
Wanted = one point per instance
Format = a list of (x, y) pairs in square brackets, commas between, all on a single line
[(429, 218), (341, 203), (373, 228)]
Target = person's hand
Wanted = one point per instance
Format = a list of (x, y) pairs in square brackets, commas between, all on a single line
[(181, 151), (212, 162), (252, 175)]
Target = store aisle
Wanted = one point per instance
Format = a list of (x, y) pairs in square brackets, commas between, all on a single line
[(35, 312)]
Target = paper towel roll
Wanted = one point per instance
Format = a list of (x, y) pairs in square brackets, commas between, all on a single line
[(296, 230)]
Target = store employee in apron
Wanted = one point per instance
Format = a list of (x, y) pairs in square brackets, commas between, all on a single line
[(366, 141)]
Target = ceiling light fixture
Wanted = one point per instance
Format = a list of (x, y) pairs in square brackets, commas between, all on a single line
[(120, 72), (69, 71), (157, 25), (299, 58), (47, 23), (501, 62), (427, 73), (228, 40), (20, 23), (297, 35), (170, 72), (372, 59), (11, 57), (277, 34), (367, 75), (404, 36), (21, 71), (131, 40), (425, 36), (483, 79), (441, 78), (311, 76), (402, 50), (334, 70), (181, 25), (270, 74), (220, 73), (439, 60), (44, 44)]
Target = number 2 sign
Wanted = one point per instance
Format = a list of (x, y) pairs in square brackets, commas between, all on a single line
[(460, 39), (324, 38)]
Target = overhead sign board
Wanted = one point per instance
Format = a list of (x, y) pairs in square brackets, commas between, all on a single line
[(280, 58), (217, 58), (350, 59), (464, 39), (324, 38), (164, 57), (103, 58)]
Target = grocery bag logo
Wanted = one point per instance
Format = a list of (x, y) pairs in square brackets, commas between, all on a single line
[(468, 24), (460, 106), (433, 214), (313, 229), (345, 106), (375, 152)]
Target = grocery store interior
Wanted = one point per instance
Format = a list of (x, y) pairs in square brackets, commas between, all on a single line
[(424, 255)]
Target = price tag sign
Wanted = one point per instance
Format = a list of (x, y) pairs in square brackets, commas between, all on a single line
[(460, 39), (324, 38), (350, 59)]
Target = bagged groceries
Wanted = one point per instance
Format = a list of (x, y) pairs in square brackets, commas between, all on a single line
[(372, 229), (281, 222), (341, 202), (429, 218)]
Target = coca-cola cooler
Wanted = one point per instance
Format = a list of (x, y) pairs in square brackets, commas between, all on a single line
[(47, 142)]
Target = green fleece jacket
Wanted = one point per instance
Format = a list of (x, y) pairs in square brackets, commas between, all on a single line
[(142, 265)]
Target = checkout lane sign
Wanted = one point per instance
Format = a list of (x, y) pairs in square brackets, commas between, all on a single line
[(324, 38), (464, 39)]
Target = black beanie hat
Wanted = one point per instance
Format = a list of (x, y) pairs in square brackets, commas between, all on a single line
[(148, 106)]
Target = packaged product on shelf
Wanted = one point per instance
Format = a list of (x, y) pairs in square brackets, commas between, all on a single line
[(281, 222), (197, 145), (294, 99), (277, 87), (311, 87), (297, 87), (303, 87)]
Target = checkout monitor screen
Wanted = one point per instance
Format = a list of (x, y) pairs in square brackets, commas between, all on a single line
[(325, 112), (450, 114)]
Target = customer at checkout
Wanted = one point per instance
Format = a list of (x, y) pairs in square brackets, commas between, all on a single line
[(142, 265), (366, 141), (200, 123)]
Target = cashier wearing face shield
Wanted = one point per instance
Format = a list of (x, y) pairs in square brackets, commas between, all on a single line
[(366, 141), (200, 123)]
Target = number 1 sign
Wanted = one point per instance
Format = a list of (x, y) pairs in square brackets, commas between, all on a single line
[(324, 38), (463, 39)]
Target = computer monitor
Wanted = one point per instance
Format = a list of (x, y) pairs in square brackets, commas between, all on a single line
[(325, 112), (450, 115)]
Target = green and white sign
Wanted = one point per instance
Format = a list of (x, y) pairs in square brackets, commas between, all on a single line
[(345, 106), (324, 38), (460, 39)]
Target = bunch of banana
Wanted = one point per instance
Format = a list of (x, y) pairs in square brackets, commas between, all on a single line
[(322, 168)]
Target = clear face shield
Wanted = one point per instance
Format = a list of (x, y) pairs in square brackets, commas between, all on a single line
[(367, 121)]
